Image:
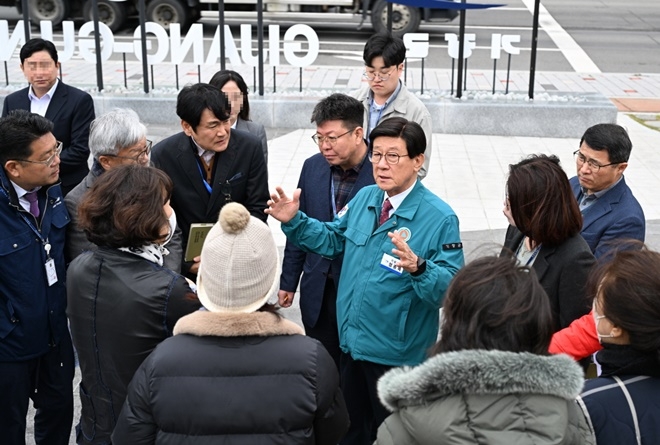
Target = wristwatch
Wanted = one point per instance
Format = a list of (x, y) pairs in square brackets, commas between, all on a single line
[(421, 267)]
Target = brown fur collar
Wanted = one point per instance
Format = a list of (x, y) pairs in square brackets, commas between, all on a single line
[(261, 324)]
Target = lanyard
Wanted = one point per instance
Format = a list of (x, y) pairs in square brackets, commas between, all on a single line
[(332, 194), (206, 184), (534, 253), (380, 112)]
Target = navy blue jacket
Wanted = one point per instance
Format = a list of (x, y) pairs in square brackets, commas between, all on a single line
[(615, 215), (71, 111), (613, 405), (32, 314), (315, 202)]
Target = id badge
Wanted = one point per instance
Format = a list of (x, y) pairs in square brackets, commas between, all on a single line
[(51, 273), (389, 263)]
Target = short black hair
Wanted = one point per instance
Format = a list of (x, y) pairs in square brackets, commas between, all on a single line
[(385, 45), (339, 107), (399, 127), (18, 130), (496, 304), (34, 46), (219, 80), (612, 138), (194, 99)]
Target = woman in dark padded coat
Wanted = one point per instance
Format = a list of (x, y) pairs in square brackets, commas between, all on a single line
[(237, 373), (122, 302)]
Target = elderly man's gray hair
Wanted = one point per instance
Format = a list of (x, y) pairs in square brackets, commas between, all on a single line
[(116, 130)]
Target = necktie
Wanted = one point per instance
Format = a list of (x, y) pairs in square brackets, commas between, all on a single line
[(385, 212), (33, 199)]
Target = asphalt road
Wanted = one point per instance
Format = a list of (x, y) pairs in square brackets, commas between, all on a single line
[(575, 35)]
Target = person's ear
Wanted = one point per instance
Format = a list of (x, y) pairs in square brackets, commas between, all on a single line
[(359, 133), (418, 161), (13, 169), (621, 167), (105, 162), (187, 128), (616, 332)]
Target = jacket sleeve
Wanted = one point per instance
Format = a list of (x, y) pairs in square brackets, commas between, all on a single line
[(76, 240), (427, 125), (312, 235), (294, 258), (82, 116), (441, 265), (175, 247), (261, 133), (631, 227), (393, 432), (182, 301), (136, 425), (579, 339), (257, 186), (571, 290), (331, 421)]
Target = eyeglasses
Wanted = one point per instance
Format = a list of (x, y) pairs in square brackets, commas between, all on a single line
[(580, 159), (382, 76), (390, 158), (332, 140), (48, 162), (136, 158)]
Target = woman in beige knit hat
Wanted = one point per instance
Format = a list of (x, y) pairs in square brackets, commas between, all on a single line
[(237, 373)]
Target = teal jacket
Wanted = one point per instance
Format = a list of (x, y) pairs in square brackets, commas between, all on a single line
[(384, 317)]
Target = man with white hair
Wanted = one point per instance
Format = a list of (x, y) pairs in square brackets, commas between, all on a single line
[(115, 138)]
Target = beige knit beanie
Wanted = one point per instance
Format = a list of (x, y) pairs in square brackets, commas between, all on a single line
[(240, 267)]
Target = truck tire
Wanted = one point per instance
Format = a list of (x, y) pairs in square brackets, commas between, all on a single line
[(405, 19), (54, 10), (113, 14), (165, 12)]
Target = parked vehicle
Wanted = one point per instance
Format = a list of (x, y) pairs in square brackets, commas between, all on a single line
[(115, 12)]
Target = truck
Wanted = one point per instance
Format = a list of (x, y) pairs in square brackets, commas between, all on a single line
[(114, 13)]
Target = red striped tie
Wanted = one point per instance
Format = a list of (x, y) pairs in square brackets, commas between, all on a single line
[(385, 212)]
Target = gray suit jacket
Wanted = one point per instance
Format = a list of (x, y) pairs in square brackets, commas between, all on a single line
[(257, 130)]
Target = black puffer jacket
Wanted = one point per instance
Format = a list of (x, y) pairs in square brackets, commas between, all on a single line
[(234, 379), (120, 306)]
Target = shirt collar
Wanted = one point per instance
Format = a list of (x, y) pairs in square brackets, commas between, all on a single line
[(396, 200), (20, 191), (48, 95), (600, 193)]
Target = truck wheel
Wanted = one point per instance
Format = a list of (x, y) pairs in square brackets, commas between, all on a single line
[(404, 18), (165, 12), (111, 13), (54, 10)]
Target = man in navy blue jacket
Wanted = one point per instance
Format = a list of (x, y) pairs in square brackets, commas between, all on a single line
[(36, 356), (328, 180), (609, 209)]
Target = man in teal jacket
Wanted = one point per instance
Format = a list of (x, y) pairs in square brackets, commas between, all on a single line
[(401, 248)]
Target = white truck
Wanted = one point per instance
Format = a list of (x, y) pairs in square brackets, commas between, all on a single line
[(358, 12)]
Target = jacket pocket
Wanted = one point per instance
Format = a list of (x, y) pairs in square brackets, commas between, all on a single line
[(356, 237), (87, 417), (8, 319), (15, 255)]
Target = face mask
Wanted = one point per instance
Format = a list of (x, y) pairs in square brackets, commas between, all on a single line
[(172, 221), (597, 319)]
